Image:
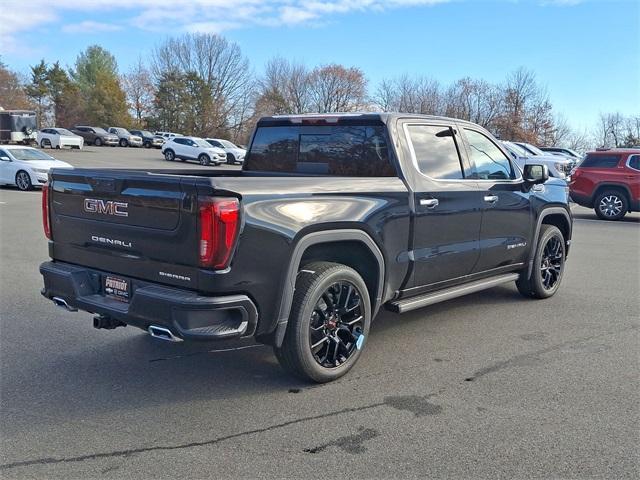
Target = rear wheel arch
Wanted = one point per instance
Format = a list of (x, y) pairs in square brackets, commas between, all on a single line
[(610, 186), (351, 247)]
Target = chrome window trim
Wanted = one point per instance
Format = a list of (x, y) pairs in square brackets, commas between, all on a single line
[(628, 163), (414, 159)]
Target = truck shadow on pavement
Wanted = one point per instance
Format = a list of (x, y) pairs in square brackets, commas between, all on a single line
[(130, 370)]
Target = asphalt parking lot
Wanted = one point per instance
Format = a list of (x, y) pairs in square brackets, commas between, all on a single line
[(486, 386)]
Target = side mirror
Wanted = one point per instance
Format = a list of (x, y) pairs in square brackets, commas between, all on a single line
[(535, 173), (5, 159)]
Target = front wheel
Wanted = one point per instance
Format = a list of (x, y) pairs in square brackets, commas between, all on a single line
[(328, 323), (124, 142), (611, 205), (23, 181), (548, 265), (97, 142), (169, 156), (43, 143), (204, 160)]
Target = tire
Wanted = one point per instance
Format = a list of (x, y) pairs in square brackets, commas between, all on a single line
[(57, 147), (204, 160), (169, 156), (97, 142), (548, 265), (43, 143), (231, 159), (146, 144), (611, 205), (23, 181), (310, 323), (124, 142)]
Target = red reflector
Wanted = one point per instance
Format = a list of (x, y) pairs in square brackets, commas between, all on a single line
[(46, 224), (219, 225)]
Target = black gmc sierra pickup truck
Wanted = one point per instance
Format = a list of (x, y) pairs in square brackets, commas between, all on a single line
[(331, 218)]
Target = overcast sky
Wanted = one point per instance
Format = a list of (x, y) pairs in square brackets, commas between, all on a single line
[(586, 52)]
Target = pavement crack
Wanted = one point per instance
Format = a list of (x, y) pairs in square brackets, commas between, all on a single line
[(213, 441)]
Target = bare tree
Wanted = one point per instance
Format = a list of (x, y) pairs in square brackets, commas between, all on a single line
[(140, 91), (610, 130), (410, 95), (474, 100), (284, 88), (220, 64), (335, 88)]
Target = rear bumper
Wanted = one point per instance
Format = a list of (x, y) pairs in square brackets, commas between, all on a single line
[(185, 313)]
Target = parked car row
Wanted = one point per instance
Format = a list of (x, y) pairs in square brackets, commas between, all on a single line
[(81, 135), (204, 150)]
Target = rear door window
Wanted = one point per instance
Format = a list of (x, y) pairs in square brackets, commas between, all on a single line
[(435, 151), (340, 150), (600, 161)]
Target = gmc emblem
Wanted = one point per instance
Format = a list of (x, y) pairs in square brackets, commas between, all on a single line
[(119, 209)]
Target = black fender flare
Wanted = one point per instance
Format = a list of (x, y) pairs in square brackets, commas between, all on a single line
[(300, 247), (613, 185), (545, 213)]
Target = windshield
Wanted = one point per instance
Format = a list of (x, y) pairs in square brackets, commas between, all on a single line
[(63, 131), (146, 133), (99, 130), (227, 144), (201, 143), (29, 154), (517, 149), (534, 150)]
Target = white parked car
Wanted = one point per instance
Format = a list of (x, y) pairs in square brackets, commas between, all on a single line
[(125, 137), (559, 167), (26, 167), (167, 135), (193, 148), (58, 138), (234, 153)]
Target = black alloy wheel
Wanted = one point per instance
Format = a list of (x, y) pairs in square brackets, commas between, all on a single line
[(552, 262), (335, 325)]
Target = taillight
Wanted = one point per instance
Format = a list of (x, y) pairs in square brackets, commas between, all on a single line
[(219, 226), (46, 221)]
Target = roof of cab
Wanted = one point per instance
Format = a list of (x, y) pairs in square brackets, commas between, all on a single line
[(354, 117)]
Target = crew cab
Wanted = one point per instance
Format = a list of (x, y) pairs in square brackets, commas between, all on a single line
[(608, 180), (331, 218)]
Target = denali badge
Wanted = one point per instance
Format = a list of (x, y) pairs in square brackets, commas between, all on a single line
[(111, 241), (119, 209)]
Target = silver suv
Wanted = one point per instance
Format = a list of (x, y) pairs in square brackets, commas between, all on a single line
[(558, 166), (125, 137)]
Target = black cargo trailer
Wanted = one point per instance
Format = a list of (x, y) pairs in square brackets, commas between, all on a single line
[(18, 126)]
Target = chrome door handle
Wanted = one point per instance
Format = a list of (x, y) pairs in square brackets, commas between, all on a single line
[(491, 198), (429, 202)]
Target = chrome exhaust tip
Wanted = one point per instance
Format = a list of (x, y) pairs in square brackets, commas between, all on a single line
[(62, 303), (163, 334)]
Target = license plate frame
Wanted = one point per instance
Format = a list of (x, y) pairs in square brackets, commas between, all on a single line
[(117, 288)]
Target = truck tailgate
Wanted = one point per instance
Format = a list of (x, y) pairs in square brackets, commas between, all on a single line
[(132, 222)]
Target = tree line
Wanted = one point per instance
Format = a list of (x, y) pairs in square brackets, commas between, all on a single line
[(203, 85)]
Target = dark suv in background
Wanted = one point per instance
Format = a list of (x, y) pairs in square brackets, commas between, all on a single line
[(148, 139), (608, 180), (96, 136)]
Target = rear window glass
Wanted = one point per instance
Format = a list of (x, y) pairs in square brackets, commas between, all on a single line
[(634, 162), (338, 150), (435, 151), (601, 161)]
